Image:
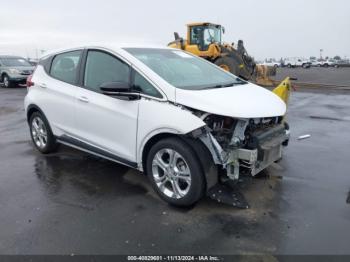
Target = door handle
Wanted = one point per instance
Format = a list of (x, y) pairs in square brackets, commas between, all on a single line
[(42, 85), (83, 99)]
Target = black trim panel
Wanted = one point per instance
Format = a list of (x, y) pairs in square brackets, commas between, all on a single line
[(84, 146)]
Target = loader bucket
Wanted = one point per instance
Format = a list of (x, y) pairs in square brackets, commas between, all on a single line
[(263, 74), (283, 90)]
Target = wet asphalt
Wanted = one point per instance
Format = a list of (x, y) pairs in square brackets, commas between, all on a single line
[(72, 203), (319, 75)]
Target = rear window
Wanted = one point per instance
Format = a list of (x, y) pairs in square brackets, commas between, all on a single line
[(64, 66)]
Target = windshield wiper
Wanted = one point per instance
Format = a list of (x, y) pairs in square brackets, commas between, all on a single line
[(239, 82)]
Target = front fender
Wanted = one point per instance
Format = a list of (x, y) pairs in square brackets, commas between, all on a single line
[(162, 117)]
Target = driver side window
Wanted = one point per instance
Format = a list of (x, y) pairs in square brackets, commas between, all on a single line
[(101, 68)]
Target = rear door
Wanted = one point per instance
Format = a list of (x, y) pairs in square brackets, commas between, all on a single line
[(106, 122), (57, 84)]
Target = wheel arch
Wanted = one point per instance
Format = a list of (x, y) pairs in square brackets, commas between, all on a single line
[(31, 109), (209, 168), (3, 74), (151, 140)]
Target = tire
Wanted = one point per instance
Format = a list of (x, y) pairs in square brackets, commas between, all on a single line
[(289, 66), (41, 134), (173, 187), (229, 64), (325, 65), (6, 81)]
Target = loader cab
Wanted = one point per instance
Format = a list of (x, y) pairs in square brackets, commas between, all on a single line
[(204, 34)]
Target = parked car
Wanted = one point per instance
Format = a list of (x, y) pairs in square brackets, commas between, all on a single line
[(314, 62), (296, 62), (343, 63), (14, 70), (327, 63), (188, 124), (272, 63)]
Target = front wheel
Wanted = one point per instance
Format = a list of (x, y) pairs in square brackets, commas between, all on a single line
[(175, 172)]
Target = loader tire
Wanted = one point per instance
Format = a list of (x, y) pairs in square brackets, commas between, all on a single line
[(229, 64)]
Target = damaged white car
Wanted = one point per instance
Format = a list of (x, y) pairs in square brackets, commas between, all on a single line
[(185, 122)]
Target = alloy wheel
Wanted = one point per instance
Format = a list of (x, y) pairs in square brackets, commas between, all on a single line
[(171, 173), (39, 132)]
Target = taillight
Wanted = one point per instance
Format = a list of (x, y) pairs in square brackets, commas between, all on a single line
[(29, 81)]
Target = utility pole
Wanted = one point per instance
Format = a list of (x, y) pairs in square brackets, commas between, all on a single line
[(321, 50)]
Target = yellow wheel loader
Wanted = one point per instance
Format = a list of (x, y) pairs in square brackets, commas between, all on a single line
[(205, 40)]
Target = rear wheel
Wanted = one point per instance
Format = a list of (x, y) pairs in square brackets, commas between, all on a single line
[(229, 64), (175, 172), (6, 81), (41, 133)]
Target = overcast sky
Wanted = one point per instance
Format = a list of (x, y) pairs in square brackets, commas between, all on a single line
[(269, 28)]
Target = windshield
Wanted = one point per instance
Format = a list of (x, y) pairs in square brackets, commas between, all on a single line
[(212, 35), (183, 70), (15, 61)]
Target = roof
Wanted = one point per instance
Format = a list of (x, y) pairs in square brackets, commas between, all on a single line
[(202, 23), (111, 46)]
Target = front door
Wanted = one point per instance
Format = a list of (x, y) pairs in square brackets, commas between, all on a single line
[(103, 121)]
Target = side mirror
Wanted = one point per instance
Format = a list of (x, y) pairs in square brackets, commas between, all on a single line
[(115, 87), (120, 90), (223, 30)]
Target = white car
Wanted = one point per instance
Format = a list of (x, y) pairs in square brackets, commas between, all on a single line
[(272, 63), (185, 122), (327, 63), (296, 62)]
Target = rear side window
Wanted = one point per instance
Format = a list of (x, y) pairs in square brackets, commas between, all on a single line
[(65, 66), (103, 68)]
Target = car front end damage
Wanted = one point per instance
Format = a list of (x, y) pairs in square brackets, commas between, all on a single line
[(242, 146)]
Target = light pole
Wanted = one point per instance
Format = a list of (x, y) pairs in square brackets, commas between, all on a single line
[(321, 50)]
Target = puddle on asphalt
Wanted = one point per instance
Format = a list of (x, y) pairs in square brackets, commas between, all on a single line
[(84, 175)]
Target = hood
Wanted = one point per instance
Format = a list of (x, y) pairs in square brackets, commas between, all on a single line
[(241, 101), (30, 68), (25, 67)]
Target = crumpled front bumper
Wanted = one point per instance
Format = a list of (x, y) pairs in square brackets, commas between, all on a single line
[(264, 149)]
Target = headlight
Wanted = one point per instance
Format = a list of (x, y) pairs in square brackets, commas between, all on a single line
[(14, 71)]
